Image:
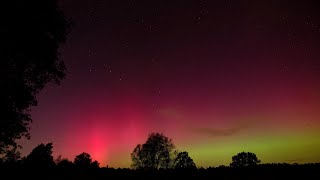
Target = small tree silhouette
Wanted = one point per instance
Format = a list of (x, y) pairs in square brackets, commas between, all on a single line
[(84, 161), (154, 154), (184, 161), (244, 159), (41, 157)]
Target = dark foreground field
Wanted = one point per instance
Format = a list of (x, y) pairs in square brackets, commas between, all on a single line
[(264, 171)]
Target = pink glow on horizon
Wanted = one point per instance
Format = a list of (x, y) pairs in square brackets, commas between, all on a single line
[(104, 131)]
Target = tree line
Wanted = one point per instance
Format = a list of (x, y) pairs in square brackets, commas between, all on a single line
[(158, 152), (157, 158)]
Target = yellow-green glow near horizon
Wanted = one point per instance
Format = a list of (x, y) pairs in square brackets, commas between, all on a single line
[(294, 148)]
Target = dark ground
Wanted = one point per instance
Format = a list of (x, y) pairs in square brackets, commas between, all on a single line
[(264, 171)]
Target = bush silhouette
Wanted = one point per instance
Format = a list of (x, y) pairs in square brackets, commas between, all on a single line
[(244, 159)]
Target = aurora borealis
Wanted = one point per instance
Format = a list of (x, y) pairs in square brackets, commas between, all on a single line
[(217, 77)]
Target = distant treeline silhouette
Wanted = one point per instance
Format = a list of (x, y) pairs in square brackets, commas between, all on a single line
[(155, 159)]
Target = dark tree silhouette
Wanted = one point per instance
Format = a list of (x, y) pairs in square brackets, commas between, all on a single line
[(31, 32), (58, 159), (244, 159), (95, 164), (65, 164), (155, 153), (41, 157), (84, 161), (184, 161), (12, 155)]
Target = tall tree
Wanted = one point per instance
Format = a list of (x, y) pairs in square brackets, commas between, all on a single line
[(155, 153), (31, 33), (244, 159)]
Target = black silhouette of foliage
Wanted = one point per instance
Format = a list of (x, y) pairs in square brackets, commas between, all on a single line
[(58, 159), (84, 161), (184, 161), (31, 32), (65, 164), (244, 159), (12, 155), (155, 153), (41, 157), (95, 164)]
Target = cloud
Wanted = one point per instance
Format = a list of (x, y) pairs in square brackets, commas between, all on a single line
[(214, 132), (238, 125), (170, 113), (217, 132)]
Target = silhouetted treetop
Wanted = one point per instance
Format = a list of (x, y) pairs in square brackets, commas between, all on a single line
[(31, 32), (155, 153), (41, 157), (244, 159), (84, 161), (184, 161)]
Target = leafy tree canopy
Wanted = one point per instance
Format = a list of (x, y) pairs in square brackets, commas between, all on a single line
[(244, 159), (155, 153), (31, 33), (184, 161), (84, 160), (41, 157)]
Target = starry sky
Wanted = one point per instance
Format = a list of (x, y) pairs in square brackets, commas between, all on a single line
[(218, 77)]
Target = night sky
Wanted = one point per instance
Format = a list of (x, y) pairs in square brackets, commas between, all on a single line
[(218, 77)]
